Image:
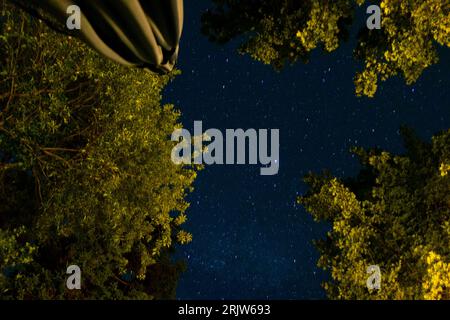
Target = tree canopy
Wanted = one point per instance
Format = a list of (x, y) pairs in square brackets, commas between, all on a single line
[(394, 214), (278, 32), (85, 171)]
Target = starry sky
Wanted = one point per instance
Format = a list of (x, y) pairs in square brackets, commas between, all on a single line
[(251, 239)]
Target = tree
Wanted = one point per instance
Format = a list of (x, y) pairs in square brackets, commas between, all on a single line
[(394, 214), (270, 27), (276, 32), (85, 171)]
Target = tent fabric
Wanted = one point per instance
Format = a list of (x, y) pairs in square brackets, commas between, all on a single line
[(139, 33)]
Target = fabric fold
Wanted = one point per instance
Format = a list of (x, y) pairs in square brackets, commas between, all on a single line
[(139, 33)]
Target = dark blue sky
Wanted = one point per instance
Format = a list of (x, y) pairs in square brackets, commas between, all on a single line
[(251, 240)]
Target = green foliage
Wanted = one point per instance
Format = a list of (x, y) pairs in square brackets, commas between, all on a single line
[(275, 32), (85, 171), (270, 27), (407, 44), (395, 214)]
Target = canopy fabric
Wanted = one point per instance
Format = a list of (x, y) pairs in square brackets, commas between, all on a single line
[(140, 33)]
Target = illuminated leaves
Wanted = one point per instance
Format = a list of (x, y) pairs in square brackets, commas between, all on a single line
[(276, 32), (406, 43), (395, 214), (322, 26), (85, 170), (444, 169), (436, 284)]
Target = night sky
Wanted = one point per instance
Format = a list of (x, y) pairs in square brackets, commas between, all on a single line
[(251, 240)]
